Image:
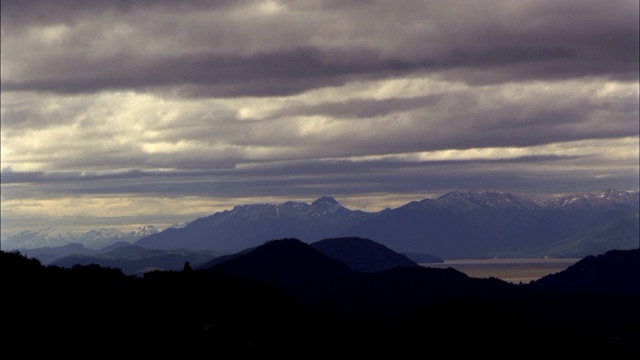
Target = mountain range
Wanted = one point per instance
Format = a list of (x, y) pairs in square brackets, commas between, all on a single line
[(471, 224)]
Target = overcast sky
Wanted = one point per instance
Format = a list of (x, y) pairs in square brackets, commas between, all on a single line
[(123, 113)]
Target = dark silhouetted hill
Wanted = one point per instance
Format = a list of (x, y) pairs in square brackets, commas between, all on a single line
[(309, 275), (422, 258), (137, 260), (294, 267), (47, 255), (220, 259), (285, 259), (362, 254), (286, 298), (616, 271)]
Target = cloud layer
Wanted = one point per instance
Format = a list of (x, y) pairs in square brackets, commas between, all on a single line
[(209, 104)]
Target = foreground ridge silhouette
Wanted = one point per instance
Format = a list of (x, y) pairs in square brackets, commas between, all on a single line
[(257, 304)]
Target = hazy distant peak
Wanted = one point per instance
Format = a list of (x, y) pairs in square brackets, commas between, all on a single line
[(103, 233), (179, 225), (326, 201), (292, 203), (609, 196), (485, 198), (146, 230)]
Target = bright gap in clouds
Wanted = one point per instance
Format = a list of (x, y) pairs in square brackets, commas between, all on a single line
[(126, 130)]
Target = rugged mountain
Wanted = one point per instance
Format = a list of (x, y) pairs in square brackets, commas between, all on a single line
[(486, 224), (471, 224), (610, 199), (362, 254), (99, 238), (251, 225), (570, 216)]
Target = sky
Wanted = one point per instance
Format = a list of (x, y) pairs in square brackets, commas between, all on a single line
[(124, 113)]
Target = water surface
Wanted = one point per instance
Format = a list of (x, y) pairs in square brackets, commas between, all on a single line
[(516, 271)]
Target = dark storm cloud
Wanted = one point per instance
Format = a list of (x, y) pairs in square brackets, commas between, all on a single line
[(27, 12), (517, 41), (296, 70), (282, 73), (237, 181)]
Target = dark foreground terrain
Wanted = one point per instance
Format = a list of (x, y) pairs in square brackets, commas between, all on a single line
[(286, 298)]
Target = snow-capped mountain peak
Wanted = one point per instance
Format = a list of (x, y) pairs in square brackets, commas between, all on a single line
[(326, 202), (144, 231), (104, 232), (179, 225), (481, 199)]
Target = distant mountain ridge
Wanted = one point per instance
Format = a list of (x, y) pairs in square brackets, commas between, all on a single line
[(491, 224), (92, 239), (459, 224), (250, 225)]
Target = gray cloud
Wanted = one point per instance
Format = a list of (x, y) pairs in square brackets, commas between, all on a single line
[(488, 42), (30, 12), (215, 75), (298, 179)]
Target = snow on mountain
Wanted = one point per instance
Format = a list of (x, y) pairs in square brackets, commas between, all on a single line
[(179, 225), (143, 231), (93, 239), (479, 199), (252, 224), (457, 224), (103, 233), (607, 198), (47, 237), (99, 238), (324, 207), (326, 204)]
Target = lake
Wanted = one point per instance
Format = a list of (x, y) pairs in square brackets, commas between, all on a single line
[(511, 270)]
